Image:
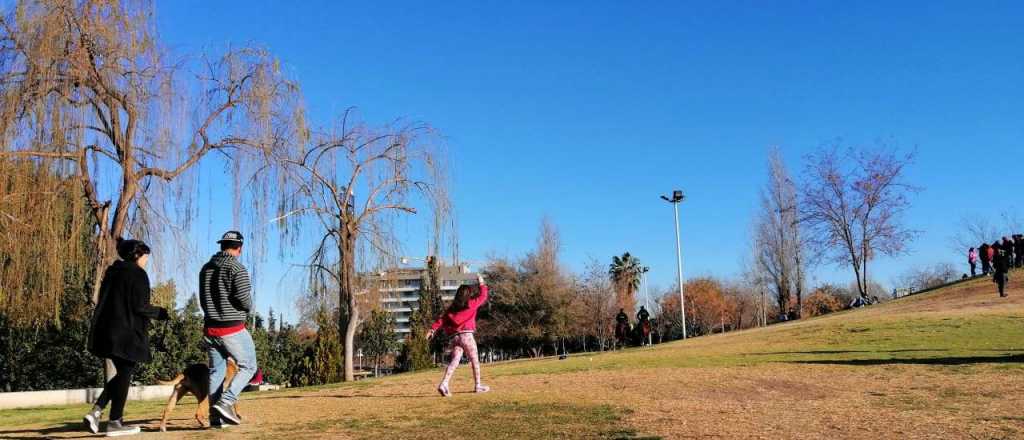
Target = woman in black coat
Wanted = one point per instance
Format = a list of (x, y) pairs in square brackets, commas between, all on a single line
[(120, 331)]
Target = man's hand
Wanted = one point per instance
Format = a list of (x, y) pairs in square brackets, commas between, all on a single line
[(480, 278), (430, 334)]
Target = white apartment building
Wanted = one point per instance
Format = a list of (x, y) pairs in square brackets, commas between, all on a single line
[(400, 290)]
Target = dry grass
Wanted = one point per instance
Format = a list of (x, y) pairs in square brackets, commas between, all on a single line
[(942, 365)]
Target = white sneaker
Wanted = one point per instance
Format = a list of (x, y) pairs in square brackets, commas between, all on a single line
[(482, 388), (115, 428), (92, 421), (443, 389)]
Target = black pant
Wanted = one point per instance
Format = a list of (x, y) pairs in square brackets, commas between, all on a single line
[(974, 269), (986, 267), (116, 389), (1001, 282)]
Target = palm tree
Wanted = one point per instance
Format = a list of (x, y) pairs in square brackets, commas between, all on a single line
[(625, 272)]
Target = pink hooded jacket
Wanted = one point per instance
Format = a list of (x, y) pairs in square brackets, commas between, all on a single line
[(462, 321)]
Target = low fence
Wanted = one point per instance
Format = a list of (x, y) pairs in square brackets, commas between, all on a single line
[(32, 399)]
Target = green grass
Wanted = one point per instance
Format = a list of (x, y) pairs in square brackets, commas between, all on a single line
[(926, 341), (581, 397)]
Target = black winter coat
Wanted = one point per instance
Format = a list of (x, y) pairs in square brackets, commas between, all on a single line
[(120, 324), (1002, 262)]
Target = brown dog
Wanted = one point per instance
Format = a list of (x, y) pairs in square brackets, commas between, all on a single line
[(196, 380)]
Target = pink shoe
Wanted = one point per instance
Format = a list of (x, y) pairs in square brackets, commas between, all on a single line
[(443, 389), (482, 388)]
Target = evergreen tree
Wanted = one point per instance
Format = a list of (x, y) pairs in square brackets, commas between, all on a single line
[(325, 361), (378, 337), (417, 351)]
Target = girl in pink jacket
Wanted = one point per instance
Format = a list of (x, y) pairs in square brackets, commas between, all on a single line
[(459, 322)]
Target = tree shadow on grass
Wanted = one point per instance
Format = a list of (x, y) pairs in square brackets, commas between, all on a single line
[(64, 428), (365, 396), (950, 360), (848, 351), (906, 350), (77, 430)]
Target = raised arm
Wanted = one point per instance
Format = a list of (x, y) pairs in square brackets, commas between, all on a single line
[(484, 292)]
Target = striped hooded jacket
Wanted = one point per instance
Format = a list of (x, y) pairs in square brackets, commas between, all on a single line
[(225, 292)]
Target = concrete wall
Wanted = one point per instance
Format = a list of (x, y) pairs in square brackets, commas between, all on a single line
[(28, 399)]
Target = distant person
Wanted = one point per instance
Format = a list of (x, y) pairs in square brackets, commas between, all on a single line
[(459, 323), (972, 259), (225, 294), (985, 254), (643, 320), (1019, 250), (622, 317), (120, 331), (643, 315), (1007, 246), (1001, 264), (621, 327)]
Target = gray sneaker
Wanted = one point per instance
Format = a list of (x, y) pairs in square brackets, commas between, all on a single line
[(116, 428), (226, 413), (92, 420)]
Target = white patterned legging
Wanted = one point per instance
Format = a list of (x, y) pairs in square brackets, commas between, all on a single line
[(463, 342)]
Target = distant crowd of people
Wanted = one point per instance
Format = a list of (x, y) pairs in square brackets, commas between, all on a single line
[(997, 259)]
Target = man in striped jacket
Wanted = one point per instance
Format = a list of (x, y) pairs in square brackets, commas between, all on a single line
[(225, 294)]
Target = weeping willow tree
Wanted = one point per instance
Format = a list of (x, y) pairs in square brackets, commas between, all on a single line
[(347, 189), (45, 234), (87, 87)]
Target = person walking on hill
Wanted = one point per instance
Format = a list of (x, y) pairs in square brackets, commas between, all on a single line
[(120, 331), (986, 258), (972, 259), (225, 294), (1001, 264), (459, 322), (1019, 250), (1007, 246)]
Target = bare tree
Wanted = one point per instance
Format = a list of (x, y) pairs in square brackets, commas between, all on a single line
[(853, 202), (973, 230), (779, 246), (596, 301), (88, 84), (391, 169), (917, 279)]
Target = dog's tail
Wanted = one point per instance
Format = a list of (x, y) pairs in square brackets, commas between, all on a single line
[(174, 381)]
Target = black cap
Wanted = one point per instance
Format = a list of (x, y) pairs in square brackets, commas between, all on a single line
[(231, 237)]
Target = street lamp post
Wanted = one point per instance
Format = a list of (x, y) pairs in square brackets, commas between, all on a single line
[(677, 198)]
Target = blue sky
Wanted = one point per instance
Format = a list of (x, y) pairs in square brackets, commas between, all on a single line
[(585, 112)]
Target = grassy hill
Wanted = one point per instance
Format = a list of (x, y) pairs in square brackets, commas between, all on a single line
[(946, 364)]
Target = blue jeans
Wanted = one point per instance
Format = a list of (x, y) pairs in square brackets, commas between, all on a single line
[(241, 348)]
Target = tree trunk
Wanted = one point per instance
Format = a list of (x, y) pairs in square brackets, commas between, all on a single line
[(799, 286), (350, 320)]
